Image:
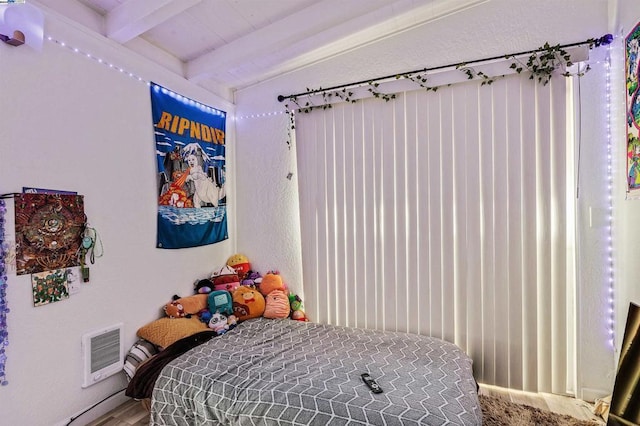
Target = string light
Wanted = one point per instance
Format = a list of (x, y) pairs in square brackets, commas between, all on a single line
[(188, 101), (262, 115), (134, 76), (610, 279), (97, 59)]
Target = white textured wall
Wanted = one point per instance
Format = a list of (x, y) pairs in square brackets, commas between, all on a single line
[(270, 228), (627, 211), (68, 122), (493, 28), (593, 225)]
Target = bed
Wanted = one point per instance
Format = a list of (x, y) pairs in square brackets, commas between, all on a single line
[(284, 372)]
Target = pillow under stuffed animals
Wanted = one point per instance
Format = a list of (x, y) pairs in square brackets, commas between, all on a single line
[(276, 305), (141, 351), (165, 331), (247, 303)]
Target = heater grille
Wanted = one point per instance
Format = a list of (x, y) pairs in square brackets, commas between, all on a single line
[(102, 353)]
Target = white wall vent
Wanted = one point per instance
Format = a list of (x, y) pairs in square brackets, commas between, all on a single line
[(102, 354)]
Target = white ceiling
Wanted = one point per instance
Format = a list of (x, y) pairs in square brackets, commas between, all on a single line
[(224, 45)]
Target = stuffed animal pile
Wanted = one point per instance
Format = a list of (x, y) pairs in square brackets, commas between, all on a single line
[(236, 293)]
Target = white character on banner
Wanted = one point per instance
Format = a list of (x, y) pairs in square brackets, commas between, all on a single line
[(205, 191)]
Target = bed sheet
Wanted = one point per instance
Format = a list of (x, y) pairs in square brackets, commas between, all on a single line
[(284, 372)]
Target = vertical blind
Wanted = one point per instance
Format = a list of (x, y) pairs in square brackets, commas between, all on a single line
[(449, 214)]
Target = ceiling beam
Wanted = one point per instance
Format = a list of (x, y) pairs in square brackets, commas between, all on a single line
[(134, 17), (271, 51)]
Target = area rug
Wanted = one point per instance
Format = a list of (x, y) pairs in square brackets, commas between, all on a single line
[(500, 412)]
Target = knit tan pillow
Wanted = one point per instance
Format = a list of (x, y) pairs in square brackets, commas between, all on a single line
[(165, 331)]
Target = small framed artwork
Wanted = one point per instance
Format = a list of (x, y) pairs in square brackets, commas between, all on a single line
[(49, 286)]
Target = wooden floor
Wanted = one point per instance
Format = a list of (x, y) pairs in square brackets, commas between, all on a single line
[(132, 413)]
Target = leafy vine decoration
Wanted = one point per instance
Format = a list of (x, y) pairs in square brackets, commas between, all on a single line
[(544, 63), (541, 63), (472, 74), (420, 78)]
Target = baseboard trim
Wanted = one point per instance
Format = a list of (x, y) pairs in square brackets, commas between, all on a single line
[(96, 412), (590, 394)]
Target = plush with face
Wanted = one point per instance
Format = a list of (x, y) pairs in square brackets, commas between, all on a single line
[(270, 282), (220, 301), (218, 323), (247, 303), (225, 279), (240, 263), (277, 305), (182, 307)]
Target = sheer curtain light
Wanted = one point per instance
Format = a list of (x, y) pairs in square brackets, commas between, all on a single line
[(449, 214)]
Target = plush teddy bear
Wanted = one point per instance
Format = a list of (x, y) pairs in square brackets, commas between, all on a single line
[(271, 281), (276, 305), (181, 307), (247, 303)]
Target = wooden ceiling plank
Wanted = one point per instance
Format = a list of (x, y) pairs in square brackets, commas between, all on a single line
[(256, 53), (135, 17)]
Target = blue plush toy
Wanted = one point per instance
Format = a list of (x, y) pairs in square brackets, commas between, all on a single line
[(205, 316), (220, 301)]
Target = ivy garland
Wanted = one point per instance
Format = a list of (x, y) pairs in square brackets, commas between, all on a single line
[(542, 63)]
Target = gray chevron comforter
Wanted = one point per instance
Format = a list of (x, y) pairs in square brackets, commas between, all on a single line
[(284, 372)]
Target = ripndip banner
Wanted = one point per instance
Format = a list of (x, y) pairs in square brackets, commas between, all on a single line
[(190, 152)]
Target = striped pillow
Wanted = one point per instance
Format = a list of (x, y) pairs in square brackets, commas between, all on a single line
[(141, 351)]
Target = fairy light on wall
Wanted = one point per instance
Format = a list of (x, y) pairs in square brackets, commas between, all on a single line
[(260, 115), (134, 76), (97, 59), (188, 101), (610, 286)]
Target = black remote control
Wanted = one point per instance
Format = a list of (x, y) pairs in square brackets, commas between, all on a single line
[(373, 385)]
